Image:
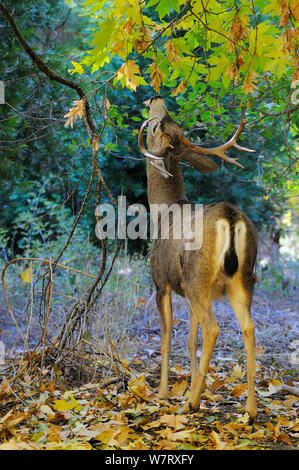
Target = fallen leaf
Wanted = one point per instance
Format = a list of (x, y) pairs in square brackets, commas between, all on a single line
[(45, 409), (219, 444), (69, 445), (165, 445), (216, 385), (184, 435), (174, 421), (179, 389), (237, 371), (62, 405), (139, 444), (239, 390), (12, 444), (138, 387)]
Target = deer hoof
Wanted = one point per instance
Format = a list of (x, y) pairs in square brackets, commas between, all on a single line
[(188, 407), (163, 395)]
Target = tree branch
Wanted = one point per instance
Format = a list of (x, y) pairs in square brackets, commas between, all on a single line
[(46, 69)]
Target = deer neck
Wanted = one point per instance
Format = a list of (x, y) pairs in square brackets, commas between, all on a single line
[(165, 190)]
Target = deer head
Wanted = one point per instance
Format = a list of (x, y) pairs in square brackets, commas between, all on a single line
[(165, 140)]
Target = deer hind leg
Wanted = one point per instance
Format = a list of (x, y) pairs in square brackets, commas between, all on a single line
[(202, 312), (192, 345), (163, 299), (241, 301)]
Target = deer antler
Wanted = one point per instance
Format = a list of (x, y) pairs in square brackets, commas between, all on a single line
[(220, 151)]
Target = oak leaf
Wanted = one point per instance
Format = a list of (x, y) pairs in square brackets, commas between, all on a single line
[(172, 52), (179, 389), (156, 75), (138, 387), (219, 444), (180, 89), (129, 74), (174, 421), (75, 112)]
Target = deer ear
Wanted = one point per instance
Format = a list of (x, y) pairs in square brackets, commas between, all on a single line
[(201, 163)]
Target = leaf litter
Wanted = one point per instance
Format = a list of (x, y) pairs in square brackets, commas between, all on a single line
[(120, 408), (130, 416)]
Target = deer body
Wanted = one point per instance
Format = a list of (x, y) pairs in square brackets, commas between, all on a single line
[(223, 265)]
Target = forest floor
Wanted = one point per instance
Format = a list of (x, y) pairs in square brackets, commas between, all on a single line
[(124, 412)]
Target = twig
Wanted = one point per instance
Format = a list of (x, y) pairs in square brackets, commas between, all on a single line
[(289, 389)]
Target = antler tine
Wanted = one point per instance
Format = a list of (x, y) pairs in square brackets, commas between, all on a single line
[(220, 151), (142, 149)]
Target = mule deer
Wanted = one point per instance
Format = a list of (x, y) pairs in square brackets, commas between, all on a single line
[(222, 266)]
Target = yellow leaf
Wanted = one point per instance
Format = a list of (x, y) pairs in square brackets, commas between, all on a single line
[(26, 276), (125, 363), (69, 445), (62, 405), (130, 71), (156, 75), (77, 68), (171, 52), (46, 410), (107, 437), (237, 371), (219, 444), (174, 421), (143, 39), (184, 435), (12, 444), (249, 82), (139, 444), (179, 389), (166, 445), (75, 112), (138, 387), (14, 420), (180, 89)]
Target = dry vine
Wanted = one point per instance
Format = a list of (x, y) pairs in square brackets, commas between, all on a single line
[(68, 349)]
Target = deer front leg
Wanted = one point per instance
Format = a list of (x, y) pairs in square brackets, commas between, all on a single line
[(210, 331), (165, 311)]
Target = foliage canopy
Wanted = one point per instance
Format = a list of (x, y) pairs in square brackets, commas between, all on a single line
[(207, 58), (188, 42)]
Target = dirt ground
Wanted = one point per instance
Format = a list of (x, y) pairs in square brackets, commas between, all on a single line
[(219, 422)]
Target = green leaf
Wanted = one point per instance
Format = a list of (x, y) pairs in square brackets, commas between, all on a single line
[(163, 8)]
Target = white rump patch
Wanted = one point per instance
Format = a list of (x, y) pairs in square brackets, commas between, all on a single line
[(222, 240), (240, 240)]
